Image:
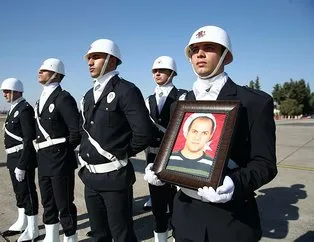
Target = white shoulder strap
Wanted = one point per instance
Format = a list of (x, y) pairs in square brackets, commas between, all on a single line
[(41, 128), (94, 143), (12, 135)]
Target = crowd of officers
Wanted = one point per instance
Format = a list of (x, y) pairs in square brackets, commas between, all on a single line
[(112, 124)]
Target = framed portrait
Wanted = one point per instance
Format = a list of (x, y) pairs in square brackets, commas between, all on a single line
[(196, 146)]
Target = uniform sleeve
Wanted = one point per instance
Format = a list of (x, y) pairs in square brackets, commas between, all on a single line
[(137, 115), (69, 111), (261, 168), (27, 121)]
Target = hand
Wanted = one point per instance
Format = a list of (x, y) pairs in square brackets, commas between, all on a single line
[(19, 174), (222, 194), (151, 177)]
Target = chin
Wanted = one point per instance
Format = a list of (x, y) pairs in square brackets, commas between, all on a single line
[(94, 76)]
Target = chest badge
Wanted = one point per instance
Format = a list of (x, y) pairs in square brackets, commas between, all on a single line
[(51, 107), (110, 97), (15, 114)]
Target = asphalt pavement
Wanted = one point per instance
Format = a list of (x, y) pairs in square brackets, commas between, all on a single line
[(286, 203)]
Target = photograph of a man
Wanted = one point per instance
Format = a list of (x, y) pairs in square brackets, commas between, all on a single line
[(198, 130)]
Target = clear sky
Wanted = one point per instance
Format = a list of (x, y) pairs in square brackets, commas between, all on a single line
[(271, 38)]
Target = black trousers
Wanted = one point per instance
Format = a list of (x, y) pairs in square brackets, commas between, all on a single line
[(25, 192), (162, 205), (110, 215), (57, 196), (162, 202)]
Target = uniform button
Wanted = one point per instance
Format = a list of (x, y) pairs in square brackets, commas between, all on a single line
[(91, 122), (158, 139), (38, 137), (106, 108), (159, 119), (87, 155)]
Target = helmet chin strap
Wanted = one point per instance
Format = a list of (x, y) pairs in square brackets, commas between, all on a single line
[(11, 99), (216, 69), (168, 80), (103, 69), (50, 79)]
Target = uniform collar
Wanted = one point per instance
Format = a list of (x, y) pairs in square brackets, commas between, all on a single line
[(15, 103)]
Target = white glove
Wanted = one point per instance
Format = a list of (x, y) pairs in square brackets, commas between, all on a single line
[(19, 174), (151, 177), (222, 194)]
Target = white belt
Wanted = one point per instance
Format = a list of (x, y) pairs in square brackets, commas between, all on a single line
[(14, 149), (48, 143), (152, 150), (105, 167)]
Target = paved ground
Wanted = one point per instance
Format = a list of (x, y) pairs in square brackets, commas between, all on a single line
[(286, 204)]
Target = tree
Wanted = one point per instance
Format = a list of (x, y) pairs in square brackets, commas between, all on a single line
[(252, 84), (294, 90), (255, 84), (290, 107)]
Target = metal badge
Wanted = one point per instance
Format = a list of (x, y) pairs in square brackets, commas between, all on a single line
[(110, 97), (51, 107), (15, 114)]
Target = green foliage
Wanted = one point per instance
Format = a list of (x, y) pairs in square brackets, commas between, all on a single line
[(290, 107), (255, 84), (252, 84), (294, 97)]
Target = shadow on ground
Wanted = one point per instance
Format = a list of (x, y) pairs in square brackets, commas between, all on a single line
[(277, 207)]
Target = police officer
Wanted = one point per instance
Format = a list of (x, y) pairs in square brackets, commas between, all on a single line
[(116, 126), (228, 213), (19, 131), (164, 69), (57, 131)]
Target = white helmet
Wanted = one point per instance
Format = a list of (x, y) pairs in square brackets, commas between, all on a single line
[(53, 64), (12, 84), (165, 62), (104, 46), (212, 34)]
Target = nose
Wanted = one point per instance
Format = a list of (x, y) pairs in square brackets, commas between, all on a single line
[(197, 136), (200, 52), (90, 62)]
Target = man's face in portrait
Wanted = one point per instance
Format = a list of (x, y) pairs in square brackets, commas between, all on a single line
[(200, 132)]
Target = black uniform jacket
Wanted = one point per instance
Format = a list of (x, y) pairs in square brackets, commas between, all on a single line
[(120, 123), (21, 122), (60, 118), (163, 117), (254, 152)]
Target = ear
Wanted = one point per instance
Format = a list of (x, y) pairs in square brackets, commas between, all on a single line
[(227, 59), (113, 62)]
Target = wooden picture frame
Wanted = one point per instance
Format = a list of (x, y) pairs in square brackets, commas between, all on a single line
[(196, 145)]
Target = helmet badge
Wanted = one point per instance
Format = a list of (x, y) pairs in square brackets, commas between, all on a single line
[(200, 34)]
